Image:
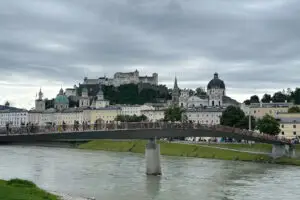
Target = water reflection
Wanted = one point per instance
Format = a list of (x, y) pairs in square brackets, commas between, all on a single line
[(153, 184)]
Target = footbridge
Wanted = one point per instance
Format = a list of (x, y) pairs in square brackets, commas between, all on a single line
[(142, 130)]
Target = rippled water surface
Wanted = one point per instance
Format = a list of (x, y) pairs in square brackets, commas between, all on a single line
[(116, 176)]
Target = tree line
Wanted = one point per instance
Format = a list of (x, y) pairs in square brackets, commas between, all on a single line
[(278, 97)]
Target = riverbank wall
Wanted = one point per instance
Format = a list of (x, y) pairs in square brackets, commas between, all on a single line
[(186, 150)]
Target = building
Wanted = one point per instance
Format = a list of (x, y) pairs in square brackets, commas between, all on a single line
[(106, 115), (289, 124), (209, 116), (215, 96), (258, 110), (13, 116), (121, 78), (100, 102), (154, 115), (61, 101), (134, 109)]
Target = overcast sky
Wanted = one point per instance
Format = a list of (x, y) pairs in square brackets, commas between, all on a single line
[(254, 45)]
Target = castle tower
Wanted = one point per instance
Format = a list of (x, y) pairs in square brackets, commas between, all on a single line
[(175, 93), (40, 104)]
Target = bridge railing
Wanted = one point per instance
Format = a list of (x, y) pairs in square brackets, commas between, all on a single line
[(65, 128)]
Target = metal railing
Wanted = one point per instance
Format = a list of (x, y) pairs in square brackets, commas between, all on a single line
[(119, 126)]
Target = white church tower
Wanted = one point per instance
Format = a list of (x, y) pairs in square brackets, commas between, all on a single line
[(40, 104), (216, 91)]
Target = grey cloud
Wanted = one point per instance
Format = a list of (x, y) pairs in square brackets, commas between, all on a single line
[(248, 42)]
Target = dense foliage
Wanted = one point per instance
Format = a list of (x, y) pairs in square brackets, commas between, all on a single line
[(173, 113), (294, 109), (129, 118), (233, 116), (131, 94), (269, 125), (277, 97)]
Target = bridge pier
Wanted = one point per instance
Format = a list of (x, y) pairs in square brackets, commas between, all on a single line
[(152, 156), (283, 150)]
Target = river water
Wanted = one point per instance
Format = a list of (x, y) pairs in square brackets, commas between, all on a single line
[(116, 176)]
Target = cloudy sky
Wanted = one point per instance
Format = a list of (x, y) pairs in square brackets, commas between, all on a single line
[(254, 45)]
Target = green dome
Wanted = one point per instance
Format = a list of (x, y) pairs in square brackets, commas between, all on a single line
[(61, 99)]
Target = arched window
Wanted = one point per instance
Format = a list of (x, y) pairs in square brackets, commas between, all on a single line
[(219, 103), (213, 103)]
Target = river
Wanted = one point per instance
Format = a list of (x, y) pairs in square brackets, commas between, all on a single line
[(114, 176)]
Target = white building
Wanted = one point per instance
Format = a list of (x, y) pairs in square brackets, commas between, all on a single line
[(51, 116), (210, 116), (215, 96), (100, 102), (13, 116), (154, 115), (135, 109)]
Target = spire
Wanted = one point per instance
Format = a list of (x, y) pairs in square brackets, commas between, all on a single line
[(61, 91), (40, 94), (175, 83)]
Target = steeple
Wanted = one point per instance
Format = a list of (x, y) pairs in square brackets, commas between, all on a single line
[(40, 95), (175, 93), (175, 83)]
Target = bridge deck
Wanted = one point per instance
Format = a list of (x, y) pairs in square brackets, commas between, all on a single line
[(133, 131)]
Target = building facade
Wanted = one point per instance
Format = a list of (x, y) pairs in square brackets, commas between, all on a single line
[(134, 109), (258, 110), (208, 116), (106, 115), (289, 125), (13, 116), (154, 115)]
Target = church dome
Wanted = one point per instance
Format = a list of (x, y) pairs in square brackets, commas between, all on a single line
[(61, 98), (216, 83)]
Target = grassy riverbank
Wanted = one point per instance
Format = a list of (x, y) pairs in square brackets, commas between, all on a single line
[(20, 189), (175, 149)]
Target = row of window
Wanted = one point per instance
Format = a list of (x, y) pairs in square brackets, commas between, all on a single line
[(295, 133), (294, 126), (12, 114)]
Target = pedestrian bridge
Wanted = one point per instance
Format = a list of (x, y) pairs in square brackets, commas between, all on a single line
[(141, 130)]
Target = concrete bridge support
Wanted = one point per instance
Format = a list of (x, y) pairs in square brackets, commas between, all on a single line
[(152, 156), (283, 150)]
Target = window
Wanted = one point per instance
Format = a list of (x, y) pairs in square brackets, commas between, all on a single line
[(282, 133), (294, 126), (295, 133), (282, 126)]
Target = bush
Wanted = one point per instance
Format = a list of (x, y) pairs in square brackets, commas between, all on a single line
[(21, 183)]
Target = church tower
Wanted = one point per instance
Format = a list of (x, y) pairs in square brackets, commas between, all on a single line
[(216, 91), (40, 104), (175, 93)]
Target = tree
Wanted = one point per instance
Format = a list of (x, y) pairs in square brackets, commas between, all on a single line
[(232, 116), (279, 97), (247, 102), (254, 99), (7, 104), (268, 124), (295, 96), (294, 109), (173, 114), (131, 118), (200, 92), (266, 98)]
